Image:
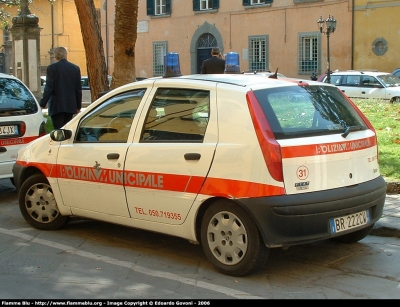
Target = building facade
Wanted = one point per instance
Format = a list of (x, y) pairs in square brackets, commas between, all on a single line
[(267, 34), (376, 43), (59, 25)]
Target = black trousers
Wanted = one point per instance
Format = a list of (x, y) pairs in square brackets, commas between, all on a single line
[(60, 119)]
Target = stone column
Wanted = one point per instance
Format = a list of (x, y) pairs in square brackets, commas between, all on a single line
[(7, 47), (25, 32)]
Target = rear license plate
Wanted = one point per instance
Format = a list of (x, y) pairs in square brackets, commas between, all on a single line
[(350, 221), (9, 130)]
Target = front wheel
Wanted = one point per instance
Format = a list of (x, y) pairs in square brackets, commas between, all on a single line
[(395, 99), (231, 240), (38, 205)]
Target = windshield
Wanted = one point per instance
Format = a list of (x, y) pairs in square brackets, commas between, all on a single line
[(390, 80), (15, 99), (297, 111)]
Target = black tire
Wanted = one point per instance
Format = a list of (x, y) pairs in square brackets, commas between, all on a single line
[(395, 99), (355, 236), (223, 221), (38, 205)]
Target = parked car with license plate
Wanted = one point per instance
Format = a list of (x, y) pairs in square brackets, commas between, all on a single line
[(367, 84), (21, 121), (237, 163)]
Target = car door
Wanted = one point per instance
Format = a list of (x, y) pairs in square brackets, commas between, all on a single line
[(350, 85), (91, 169), (372, 88), (166, 167)]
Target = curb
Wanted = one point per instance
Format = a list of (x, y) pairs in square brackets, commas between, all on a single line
[(393, 187)]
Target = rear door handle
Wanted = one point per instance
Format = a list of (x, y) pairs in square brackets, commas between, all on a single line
[(192, 156)]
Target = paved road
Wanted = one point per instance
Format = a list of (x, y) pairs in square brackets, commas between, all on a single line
[(95, 260)]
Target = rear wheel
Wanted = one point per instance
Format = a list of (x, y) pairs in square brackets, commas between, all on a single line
[(231, 240), (354, 236), (38, 205)]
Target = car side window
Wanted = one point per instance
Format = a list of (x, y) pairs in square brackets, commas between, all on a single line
[(335, 79), (177, 115), (370, 81), (351, 80), (111, 121)]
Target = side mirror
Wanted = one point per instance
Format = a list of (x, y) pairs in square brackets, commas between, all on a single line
[(60, 135)]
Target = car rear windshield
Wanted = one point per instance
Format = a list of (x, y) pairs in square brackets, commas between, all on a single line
[(301, 111), (15, 99)]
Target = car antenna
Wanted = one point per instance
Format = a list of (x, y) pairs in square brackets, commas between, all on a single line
[(275, 75)]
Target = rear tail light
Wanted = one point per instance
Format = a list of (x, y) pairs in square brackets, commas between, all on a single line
[(269, 146), (42, 129), (22, 129)]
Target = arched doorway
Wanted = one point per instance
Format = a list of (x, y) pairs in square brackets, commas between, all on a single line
[(205, 44), (204, 38)]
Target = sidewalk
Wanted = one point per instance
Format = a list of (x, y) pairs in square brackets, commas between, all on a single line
[(389, 223)]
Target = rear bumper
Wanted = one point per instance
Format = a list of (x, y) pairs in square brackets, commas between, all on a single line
[(6, 169), (297, 219)]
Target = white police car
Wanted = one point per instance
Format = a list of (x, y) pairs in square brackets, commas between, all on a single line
[(21, 121), (238, 163)]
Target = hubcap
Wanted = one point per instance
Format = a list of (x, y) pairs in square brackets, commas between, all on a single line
[(227, 238), (40, 203)]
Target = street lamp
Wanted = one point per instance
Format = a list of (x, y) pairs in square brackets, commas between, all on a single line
[(330, 28)]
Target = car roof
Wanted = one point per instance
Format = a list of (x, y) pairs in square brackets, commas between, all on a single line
[(263, 73), (6, 76), (362, 72), (244, 80)]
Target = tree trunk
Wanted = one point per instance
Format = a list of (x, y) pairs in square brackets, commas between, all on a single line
[(125, 35), (93, 43)]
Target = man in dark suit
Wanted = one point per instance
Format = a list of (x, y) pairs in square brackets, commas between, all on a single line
[(63, 90), (215, 64)]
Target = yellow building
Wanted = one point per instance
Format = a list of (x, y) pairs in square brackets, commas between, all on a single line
[(267, 35), (60, 26), (376, 43)]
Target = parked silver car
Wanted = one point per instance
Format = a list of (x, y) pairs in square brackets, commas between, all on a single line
[(367, 84)]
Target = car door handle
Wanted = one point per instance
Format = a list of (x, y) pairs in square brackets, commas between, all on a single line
[(113, 156), (192, 156), (362, 92), (3, 149)]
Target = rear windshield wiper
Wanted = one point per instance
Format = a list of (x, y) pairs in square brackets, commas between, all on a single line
[(349, 129), (346, 128)]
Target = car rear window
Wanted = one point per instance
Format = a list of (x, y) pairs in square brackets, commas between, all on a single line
[(296, 111), (15, 99)]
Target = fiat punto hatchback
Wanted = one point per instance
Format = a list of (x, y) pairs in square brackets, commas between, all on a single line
[(21, 121), (238, 163)]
